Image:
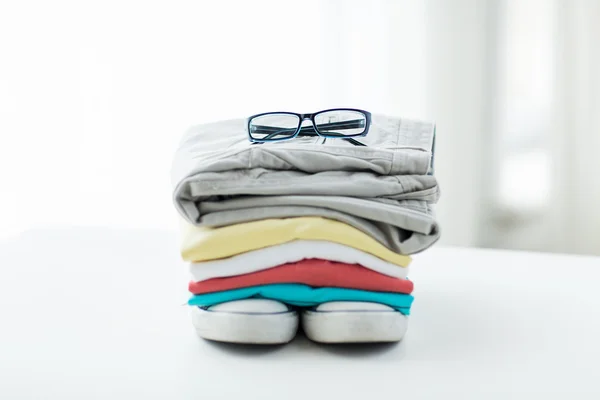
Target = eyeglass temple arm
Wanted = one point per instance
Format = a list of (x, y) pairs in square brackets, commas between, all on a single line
[(313, 133)]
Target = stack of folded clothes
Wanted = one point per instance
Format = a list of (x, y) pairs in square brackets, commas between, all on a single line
[(310, 219)]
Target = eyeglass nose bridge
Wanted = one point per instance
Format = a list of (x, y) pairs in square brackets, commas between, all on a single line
[(304, 117)]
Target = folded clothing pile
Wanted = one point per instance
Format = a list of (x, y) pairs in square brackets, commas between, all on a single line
[(302, 226)]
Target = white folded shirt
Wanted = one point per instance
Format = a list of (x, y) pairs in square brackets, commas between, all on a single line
[(298, 250)]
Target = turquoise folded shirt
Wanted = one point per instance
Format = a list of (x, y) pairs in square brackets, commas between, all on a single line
[(304, 296)]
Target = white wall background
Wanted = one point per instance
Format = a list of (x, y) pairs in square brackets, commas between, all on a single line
[(94, 97)]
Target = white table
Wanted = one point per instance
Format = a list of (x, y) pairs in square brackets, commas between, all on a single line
[(97, 314)]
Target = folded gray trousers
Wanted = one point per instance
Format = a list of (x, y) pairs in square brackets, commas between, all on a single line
[(386, 190), (393, 147)]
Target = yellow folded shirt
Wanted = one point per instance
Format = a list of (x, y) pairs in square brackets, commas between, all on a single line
[(203, 244)]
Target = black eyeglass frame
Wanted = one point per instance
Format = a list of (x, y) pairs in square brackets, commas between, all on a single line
[(313, 130)]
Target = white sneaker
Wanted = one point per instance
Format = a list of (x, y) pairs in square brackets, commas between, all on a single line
[(354, 322), (255, 321)]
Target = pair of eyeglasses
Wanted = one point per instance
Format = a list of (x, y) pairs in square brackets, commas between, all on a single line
[(338, 123)]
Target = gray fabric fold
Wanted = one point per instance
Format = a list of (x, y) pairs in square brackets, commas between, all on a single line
[(330, 183), (405, 226), (210, 186)]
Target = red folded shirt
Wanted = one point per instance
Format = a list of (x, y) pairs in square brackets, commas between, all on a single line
[(312, 272)]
